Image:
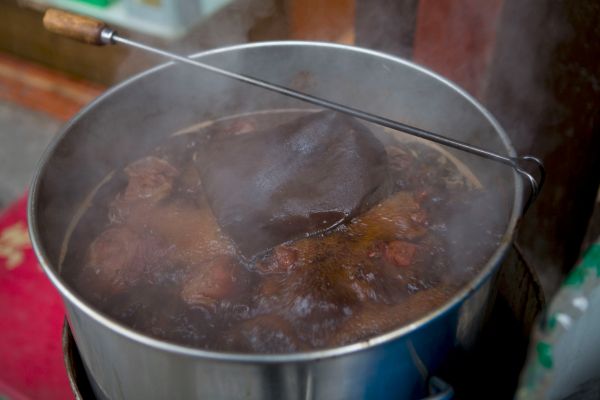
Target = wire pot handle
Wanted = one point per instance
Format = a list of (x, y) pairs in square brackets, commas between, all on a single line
[(520, 165)]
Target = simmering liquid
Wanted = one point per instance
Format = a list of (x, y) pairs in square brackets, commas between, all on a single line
[(150, 254)]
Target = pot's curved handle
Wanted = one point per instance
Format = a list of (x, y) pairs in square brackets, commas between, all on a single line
[(521, 164)]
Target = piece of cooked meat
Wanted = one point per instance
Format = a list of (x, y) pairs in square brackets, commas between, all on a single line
[(400, 216), (150, 178), (374, 319), (400, 253), (281, 260), (114, 260), (211, 282), (336, 273), (193, 233)]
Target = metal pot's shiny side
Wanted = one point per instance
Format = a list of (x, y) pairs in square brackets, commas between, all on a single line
[(133, 117)]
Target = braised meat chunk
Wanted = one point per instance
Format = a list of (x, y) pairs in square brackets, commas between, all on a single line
[(325, 279), (281, 260), (150, 178), (114, 259), (371, 319), (193, 233), (211, 282), (400, 253), (398, 217)]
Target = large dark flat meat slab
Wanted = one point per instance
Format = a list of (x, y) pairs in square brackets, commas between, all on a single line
[(303, 177)]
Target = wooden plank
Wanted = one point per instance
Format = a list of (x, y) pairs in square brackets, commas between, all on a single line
[(331, 20), (456, 38), (23, 35), (41, 89)]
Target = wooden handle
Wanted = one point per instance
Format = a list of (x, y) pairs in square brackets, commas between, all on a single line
[(78, 27)]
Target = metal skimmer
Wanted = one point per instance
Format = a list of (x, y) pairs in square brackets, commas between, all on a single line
[(96, 32)]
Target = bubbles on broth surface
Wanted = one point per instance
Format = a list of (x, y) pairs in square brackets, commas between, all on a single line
[(178, 277)]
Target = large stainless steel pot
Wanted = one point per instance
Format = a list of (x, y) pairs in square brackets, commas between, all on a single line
[(132, 117)]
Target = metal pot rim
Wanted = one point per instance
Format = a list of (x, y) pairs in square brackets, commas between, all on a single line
[(123, 330)]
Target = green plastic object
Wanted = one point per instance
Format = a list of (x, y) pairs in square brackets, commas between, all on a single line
[(564, 357), (98, 3)]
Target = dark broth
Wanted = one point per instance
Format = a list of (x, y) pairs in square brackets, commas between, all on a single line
[(149, 254)]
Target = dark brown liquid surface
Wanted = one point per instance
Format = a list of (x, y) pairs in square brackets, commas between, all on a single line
[(149, 253)]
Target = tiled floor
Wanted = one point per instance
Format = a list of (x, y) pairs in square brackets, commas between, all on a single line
[(24, 134), (34, 103)]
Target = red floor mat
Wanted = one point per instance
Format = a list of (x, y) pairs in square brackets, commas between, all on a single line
[(31, 317)]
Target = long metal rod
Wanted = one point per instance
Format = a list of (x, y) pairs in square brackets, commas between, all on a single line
[(110, 36), (388, 123)]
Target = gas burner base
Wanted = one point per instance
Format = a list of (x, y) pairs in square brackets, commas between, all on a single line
[(78, 379)]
